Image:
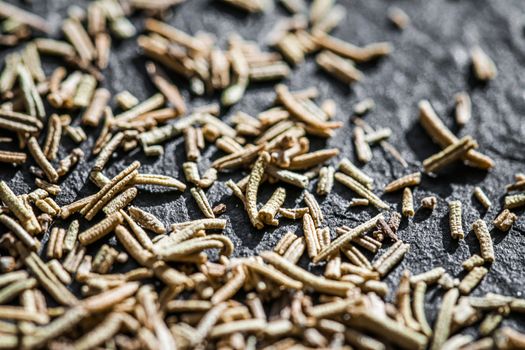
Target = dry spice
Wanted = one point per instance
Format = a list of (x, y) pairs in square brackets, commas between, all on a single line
[(170, 91), (315, 210), (85, 91), (429, 202), (96, 107), (429, 277), (347, 236), (308, 160), (107, 151), (41, 160), (53, 137), (101, 229), (77, 134), (270, 209), (293, 106), (121, 201), (463, 110), (472, 279), (507, 338), (472, 262), (413, 179), (391, 258), (348, 168), (158, 180), (230, 288), (482, 197), (485, 240), (274, 275), (450, 154), (368, 243), (444, 137), (364, 106), (204, 290), (289, 177), (505, 220), (384, 229), (339, 67), (455, 220), (483, 66), (391, 330), (12, 157), (407, 203), (31, 96), (514, 201), (359, 54), (361, 190), (49, 281), (447, 282), (326, 180), (310, 235), (378, 136), (444, 319), (15, 205), (253, 187), (284, 243), (147, 220), (317, 283), (139, 233), (19, 231), (202, 202), (419, 308), (404, 303), (398, 17), (363, 151), (359, 202), (190, 141), (106, 193), (57, 268)]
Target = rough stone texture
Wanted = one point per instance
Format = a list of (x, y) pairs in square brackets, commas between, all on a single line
[(430, 62)]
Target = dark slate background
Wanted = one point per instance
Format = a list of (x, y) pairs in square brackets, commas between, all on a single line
[(430, 61)]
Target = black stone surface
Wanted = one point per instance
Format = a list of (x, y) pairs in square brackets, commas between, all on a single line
[(430, 61)]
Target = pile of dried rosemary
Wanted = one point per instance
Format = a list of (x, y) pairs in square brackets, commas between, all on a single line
[(178, 296)]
